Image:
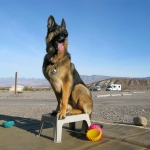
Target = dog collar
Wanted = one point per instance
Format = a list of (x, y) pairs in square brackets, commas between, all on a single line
[(56, 64)]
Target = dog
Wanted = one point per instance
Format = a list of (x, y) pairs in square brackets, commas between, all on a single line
[(72, 94)]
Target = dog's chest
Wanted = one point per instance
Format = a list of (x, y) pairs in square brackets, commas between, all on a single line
[(53, 71), (54, 77)]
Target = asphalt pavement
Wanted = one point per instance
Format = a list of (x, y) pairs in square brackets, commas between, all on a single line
[(96, 101)]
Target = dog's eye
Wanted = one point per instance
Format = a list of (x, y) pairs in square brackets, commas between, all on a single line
[(62, 41), (50, 30)]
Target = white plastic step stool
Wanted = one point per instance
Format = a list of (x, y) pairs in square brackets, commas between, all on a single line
[(57, 131)]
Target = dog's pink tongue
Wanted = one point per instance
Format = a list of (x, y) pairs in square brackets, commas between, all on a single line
[(60, 46)]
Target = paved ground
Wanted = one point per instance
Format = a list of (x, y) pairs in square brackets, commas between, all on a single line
[(96, 101), (44, 97), (22, 136), (115, 113)]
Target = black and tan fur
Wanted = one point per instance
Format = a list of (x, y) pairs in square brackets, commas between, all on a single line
[(72, 95)]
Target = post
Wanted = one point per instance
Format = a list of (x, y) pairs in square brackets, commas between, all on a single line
[(15, 82)]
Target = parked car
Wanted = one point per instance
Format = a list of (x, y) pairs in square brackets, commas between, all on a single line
[(96, 88)]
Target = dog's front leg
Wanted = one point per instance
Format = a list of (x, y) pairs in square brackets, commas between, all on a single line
[(64, 101), (55, 112)]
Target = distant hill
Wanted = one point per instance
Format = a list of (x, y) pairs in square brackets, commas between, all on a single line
[(93, 78), (126, 83), (7, 82), (147, 78)]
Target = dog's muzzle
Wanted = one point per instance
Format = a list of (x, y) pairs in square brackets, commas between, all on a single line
[(59, 40)]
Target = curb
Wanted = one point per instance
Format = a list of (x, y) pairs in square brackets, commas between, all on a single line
[(122, 94), (138, 92), (116, 95), (120, 124), (126, 94), (103, 95)]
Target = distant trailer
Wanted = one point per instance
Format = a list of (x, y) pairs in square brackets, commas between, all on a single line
[(19, 88), (113, 87)]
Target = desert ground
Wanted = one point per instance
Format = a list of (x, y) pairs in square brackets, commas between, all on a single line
[(109, 106)]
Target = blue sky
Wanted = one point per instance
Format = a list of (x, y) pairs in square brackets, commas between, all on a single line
[(106, 37)]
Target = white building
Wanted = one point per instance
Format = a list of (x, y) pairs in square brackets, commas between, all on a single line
[(19, 88)]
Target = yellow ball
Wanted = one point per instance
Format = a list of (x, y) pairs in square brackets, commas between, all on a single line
[(94, 135)]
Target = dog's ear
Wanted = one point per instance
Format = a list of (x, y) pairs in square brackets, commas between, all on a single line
[(51, 22), (63, 23)]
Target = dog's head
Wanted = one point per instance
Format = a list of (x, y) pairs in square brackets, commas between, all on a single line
[(56, 39)]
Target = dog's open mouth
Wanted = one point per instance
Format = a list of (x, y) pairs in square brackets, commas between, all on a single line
[(59, 41), (60, 45)]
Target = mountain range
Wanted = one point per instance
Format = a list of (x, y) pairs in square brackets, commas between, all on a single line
[(7, 82), (95, 79)]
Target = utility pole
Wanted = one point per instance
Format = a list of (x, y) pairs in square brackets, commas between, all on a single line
[(15, 82)]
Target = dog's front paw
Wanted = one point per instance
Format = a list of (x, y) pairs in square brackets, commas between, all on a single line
[(61, 114)]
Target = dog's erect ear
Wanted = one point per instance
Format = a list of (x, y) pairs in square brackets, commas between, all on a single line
[(51, 22), (63, 23)]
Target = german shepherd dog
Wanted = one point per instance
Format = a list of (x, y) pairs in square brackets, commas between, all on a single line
[(72, 95)]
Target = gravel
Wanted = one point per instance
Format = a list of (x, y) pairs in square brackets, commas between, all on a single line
[(102, 112), (121, 114)]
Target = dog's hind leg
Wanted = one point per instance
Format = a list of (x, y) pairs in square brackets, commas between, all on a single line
[(74, 111), (81, 98)]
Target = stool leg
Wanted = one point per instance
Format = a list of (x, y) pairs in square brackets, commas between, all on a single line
[(85, 124), (88, 122), (84, 127), (57, 132), (41, 127), (72, 126)]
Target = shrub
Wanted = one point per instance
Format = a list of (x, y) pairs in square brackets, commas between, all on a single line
[(26, 88)]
